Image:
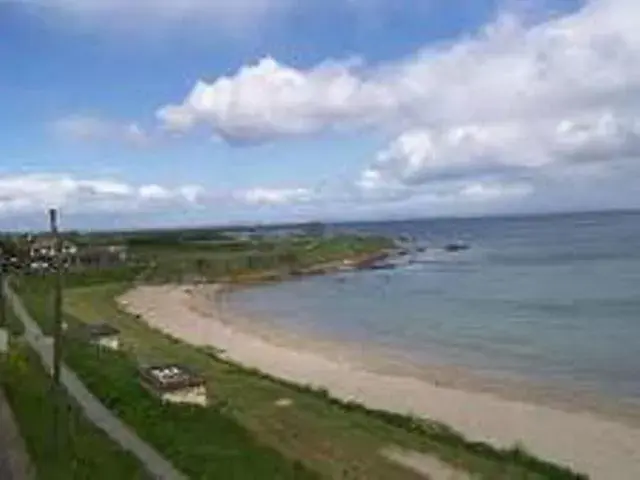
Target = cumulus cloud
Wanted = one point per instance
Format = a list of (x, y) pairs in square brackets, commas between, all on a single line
[(580, 61), (514, 98), (95, 129), (490, 116), (269, 100), (38, 192), (506, 150), (507, 108)]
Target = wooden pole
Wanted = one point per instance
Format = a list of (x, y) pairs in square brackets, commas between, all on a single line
[(3, 311), (57, 298), (57, 334), (4, 332)]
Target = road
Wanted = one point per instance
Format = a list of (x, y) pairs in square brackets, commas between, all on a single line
[(157, 466)]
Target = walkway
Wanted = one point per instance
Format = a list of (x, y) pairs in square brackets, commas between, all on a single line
[(156, 465)]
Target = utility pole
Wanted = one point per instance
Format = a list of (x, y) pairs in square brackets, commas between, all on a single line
[(57, 299), (4, 335), (3, 311), (57, 333)]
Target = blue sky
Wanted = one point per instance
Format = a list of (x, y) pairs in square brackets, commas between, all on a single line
[(206, 111)]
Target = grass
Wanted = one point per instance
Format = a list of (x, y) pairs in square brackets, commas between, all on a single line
[(176, 262), (334, 438), (83, 451), (202, 442)]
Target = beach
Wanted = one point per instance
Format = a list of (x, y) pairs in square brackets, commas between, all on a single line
[(603, 446)]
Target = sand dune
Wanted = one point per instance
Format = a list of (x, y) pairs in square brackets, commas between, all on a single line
[(599, 446)]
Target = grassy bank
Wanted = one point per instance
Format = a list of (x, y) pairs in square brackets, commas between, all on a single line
[(202, 442), (336, 439), (82, 451)]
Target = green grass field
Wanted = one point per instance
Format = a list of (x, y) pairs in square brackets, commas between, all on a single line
[(314, 434), (82, 451)]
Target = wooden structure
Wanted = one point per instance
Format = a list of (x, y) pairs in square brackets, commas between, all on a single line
[(175, 383)]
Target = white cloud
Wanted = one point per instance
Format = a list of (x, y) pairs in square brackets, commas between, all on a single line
[(38, 192), (154, 192), (472, 96), (95, 129), (506, 151), (274, 196), (35, 193), (510, 107), (268, 100), (579, 61), (490, 116)]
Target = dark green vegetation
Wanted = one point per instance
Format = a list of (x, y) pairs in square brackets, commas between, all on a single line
[(254, 259), (244, 425), (83, 451)]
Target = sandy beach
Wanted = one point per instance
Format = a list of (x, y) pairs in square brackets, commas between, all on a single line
[(594, 443)]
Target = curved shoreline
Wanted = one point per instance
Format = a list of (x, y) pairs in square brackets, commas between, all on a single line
[(205, 299), (595, 444)]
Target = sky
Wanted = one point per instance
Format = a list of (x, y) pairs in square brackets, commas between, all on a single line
[(158, 112)]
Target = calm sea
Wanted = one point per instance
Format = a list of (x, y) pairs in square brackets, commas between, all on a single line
[(551, 298)]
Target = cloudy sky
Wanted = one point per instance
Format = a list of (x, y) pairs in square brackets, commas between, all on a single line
[(159, 112)]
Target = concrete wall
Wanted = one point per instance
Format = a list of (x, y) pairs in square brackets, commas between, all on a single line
[(193, 396)]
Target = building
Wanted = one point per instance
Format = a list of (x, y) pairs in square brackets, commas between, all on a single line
[(174, 383), (45, 247), (102, 335)]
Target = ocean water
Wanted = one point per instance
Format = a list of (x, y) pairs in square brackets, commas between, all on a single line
[(555, 299)]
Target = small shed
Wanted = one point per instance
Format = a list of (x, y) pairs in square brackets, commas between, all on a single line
[(102, 335), (175, 384)]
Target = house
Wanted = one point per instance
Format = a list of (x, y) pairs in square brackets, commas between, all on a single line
[(102, 335), (45, 247), (174, 383)]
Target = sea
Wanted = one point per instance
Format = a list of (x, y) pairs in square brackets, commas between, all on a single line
[(554, 299)]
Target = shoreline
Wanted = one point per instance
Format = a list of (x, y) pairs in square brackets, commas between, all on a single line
[(599, 441), (203, 300)]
